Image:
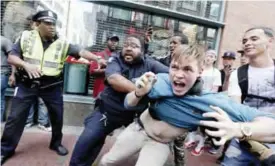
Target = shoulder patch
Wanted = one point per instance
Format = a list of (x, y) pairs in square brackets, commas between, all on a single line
[(110, 59)]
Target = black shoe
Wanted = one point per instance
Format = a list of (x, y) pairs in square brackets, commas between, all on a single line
[(4, 158), (61, 150), (220, 159)]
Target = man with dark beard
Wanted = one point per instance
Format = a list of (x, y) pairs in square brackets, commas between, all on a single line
[(122, 70)]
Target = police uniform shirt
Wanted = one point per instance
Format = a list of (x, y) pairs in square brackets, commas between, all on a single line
[(113, 101), (73, 50)]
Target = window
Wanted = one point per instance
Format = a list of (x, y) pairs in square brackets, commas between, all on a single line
[(211, 33), (120, 13), (158, 21), (215, 11), (190, 5)]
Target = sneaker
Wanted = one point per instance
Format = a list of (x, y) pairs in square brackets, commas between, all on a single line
[(28, 125), (213, 151), (194, 152), (46, 127)]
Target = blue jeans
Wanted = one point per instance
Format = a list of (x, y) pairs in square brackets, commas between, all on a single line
[(238, 156), (4, 85), (43, 118)]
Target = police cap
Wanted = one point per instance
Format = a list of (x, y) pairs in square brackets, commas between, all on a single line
[(45, 15)]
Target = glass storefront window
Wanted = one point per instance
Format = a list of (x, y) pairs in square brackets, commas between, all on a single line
[(90, 26)]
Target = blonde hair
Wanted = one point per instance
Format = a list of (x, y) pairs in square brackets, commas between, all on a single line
[(193, 51)]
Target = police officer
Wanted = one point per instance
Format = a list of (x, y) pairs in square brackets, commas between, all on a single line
[(122, 69), (39, 55)]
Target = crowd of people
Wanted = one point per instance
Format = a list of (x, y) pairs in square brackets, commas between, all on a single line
[(181, 100)]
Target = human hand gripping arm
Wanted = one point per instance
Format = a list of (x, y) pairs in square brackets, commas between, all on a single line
[(12, 80), (32, 70), (228, 70), (262, 128), (142, 86), (92, 57)]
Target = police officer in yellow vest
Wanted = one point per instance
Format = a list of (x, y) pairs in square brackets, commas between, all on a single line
[(39, 57)]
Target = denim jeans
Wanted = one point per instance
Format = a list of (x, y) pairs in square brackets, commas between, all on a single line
[(4, 85), (43, 118), (238, 156)]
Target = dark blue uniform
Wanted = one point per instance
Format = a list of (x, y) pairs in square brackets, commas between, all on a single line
[(25, 95), (110, 114)]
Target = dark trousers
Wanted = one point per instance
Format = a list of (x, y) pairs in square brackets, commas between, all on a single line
[(179, 153), (23, 99), (90, 142)]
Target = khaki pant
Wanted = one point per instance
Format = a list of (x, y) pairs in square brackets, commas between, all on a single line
[(134, 140)]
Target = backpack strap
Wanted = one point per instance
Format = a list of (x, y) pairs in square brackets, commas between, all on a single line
[(243, 83), (243, 80), (274, 69)]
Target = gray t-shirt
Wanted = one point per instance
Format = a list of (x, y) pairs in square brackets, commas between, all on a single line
[(6, 47)]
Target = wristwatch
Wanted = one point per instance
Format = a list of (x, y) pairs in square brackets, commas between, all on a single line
[(246, 131)]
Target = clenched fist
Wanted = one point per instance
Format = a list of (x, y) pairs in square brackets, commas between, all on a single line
[(145, 83)]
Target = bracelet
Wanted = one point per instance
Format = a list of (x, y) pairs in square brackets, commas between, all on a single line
[(137, 96)]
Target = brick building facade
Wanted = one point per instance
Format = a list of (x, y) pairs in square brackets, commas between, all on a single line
[(242, 15)]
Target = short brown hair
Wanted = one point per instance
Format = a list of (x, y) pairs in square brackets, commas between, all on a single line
[(267, 31), (194, 51)]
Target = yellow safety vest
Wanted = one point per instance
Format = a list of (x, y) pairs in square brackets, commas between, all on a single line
[(50, 61)]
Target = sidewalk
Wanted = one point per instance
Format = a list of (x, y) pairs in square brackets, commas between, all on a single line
[(33, 150)]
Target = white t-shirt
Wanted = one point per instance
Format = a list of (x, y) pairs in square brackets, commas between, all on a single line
[(211, 77), (260, 82)]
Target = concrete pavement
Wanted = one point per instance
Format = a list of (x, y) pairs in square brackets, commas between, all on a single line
[(33, 150)]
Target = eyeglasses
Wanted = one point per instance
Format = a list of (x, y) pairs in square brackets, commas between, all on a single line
[(132, 45)]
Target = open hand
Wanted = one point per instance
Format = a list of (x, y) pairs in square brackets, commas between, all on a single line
[(12, 80), (32, 70), (227, 129)]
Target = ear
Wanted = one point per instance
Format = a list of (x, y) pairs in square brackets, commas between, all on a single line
[(271, 40), (37, 23), (200, 71)]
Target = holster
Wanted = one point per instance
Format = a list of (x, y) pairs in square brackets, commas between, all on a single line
[(45, 81)]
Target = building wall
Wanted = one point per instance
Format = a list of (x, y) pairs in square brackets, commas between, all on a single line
[(240, 16)]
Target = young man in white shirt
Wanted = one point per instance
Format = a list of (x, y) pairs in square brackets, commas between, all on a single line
[(211, 76), (257, 90)]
